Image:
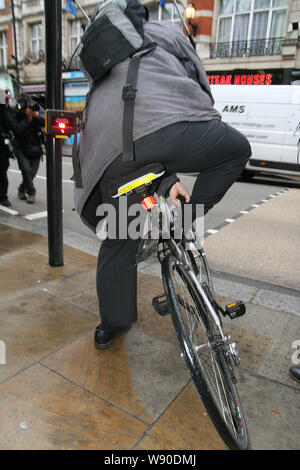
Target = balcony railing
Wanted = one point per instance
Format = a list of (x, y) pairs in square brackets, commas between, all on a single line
[(31, 3), (254, 47)]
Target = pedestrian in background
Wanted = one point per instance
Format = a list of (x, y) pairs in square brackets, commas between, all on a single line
[(28, 149), (5, 152)]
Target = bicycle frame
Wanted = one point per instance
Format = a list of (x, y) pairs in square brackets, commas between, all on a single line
[(166, 212)]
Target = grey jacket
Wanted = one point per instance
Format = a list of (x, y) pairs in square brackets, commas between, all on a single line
[(166, 94)]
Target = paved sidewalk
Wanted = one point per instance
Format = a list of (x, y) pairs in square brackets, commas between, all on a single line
[(266, 243), (58, 392)]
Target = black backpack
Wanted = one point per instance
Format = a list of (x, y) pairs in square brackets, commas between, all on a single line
[(115, 32)]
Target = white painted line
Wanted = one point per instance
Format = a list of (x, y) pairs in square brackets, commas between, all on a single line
[(19, 173), (45, 179), (230, 220), (211, 230), (244, 212), (9, 211), (36, 215)]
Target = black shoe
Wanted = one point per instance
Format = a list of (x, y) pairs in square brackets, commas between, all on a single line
[(30, 198), (5, 202), (104, 338), (295, 373), (21, 194)]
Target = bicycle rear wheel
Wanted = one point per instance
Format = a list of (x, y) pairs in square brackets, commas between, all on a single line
[(205, 353), (201, 269)]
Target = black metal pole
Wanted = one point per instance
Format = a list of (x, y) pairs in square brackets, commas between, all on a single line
[(53, 21), (16, 50)]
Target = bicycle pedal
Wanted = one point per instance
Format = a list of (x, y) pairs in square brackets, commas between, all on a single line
[(160, 305), (235, 310), (145, 249)]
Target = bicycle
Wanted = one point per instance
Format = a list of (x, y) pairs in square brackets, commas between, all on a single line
[(197, 317)]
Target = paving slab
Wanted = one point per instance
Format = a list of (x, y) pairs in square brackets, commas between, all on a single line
[(41, 410), (140, 374), (234, 289), (272, 412), (263, 244), (67, 287), (35, 324), (278, 301), (184, 426), (12, 240), (58, 392), (28, 270), (272, 349)]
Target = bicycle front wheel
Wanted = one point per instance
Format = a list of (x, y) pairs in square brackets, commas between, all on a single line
[(205, 353)]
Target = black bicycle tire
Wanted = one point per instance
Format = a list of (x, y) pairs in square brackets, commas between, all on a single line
[(191, 361)]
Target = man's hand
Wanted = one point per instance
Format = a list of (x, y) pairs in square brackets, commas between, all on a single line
[(179, 190)]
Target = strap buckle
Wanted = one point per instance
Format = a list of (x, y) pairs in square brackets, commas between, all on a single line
[(82, 124), (128, 92)]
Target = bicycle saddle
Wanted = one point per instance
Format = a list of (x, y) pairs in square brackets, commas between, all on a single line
[(136, 180)]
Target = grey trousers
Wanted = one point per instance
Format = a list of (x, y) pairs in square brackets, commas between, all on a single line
[(29, 168)]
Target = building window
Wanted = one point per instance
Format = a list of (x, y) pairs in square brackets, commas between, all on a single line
[(3, 50), (251, 27), (75, 35), (2, 4), (31, 3), (168, 13), (36, 39)]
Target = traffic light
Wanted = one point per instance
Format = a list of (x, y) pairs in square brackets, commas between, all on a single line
[(59, 123)]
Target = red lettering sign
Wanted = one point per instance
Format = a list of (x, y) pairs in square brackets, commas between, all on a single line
[(256, 79), (268, 80), (243, 79)]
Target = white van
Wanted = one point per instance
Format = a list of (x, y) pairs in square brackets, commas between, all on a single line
[(269, 116)]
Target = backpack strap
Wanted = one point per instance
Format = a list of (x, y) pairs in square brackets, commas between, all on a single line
[(76, 163), (82, 121), (128, 96)]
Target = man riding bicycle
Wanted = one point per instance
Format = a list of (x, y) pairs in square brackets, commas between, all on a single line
[(176, 124)]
